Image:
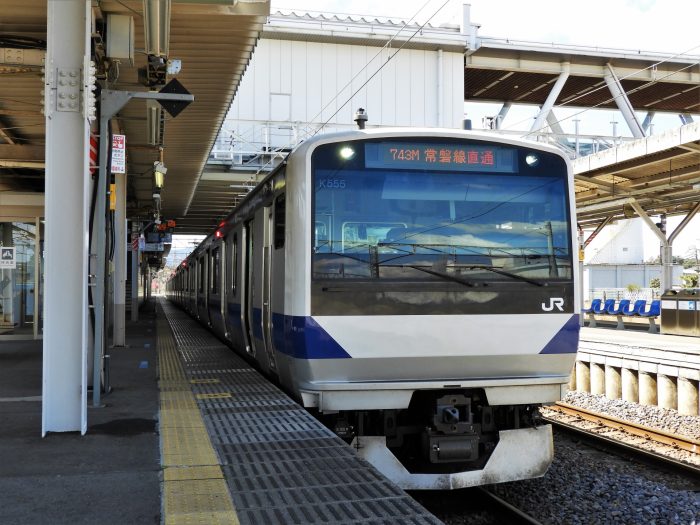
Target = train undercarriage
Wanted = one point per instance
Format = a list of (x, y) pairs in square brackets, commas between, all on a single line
[(448, 439)]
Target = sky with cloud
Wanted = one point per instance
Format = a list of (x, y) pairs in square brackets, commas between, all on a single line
[(668, 26)]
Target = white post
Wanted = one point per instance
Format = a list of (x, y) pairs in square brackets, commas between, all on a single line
[(134, 276), (623, 103), (440, 89), (64, 396), (551, 98), (119, 312)]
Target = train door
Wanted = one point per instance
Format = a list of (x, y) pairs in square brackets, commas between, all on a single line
[(222, 288), (203, 291), (267, 287), (248, 286)]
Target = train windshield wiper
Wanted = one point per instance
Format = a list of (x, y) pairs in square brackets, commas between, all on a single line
[(444, 275), (503, 272)]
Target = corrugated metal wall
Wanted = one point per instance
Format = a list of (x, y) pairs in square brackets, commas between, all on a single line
[(289, 83)]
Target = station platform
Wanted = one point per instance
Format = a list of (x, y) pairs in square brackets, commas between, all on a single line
[(637, 366), (190, 434), (642, 339), (110, 475)]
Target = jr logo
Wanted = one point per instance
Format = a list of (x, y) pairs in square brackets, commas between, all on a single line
[(554, 301)]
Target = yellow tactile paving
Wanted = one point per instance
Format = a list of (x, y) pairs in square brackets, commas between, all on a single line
[(180, 418), (194, 489), (191, 473), (209, 381)]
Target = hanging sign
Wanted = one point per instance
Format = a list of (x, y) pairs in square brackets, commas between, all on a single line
[(118, 154), (7, 257)]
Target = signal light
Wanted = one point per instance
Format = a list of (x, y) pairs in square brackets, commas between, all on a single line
[(218, 234)]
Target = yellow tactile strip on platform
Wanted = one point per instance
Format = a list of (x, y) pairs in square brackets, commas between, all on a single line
[(194, 489)]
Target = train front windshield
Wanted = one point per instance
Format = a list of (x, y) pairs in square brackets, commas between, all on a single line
[(421, 210)]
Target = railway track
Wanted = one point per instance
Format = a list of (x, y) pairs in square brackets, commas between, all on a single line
[(506, 511), (680, 451), (477, 505)]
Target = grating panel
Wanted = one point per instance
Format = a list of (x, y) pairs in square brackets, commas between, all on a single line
[(280, 464)]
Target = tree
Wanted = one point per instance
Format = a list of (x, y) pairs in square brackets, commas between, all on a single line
[(655, 282), (690, 280)]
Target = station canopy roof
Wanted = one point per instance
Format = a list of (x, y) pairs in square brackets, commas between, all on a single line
[(502, 70), (214, 39)]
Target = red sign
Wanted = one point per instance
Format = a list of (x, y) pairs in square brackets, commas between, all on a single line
[(94, 152), (118, 154)]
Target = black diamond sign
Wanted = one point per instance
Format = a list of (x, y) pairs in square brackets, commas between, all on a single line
[(174, 107)]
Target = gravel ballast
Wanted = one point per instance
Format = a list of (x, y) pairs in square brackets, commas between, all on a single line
[(589, 486)]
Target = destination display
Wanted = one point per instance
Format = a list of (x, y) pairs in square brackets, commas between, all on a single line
[(433, 156)]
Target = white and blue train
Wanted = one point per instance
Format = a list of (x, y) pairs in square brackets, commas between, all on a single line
[(414, 288)]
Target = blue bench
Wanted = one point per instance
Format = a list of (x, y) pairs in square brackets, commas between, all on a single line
[(618, 311), (652, 314), (597, 307), (622, 310)]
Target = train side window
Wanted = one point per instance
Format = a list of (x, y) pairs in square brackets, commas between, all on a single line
[(234, 263), (201, 275), (280, 210), (215, 260)]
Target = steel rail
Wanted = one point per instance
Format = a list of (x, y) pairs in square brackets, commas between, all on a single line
[(600, 419), (517, 515), (660, 436)]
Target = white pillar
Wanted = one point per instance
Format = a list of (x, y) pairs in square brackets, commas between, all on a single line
[(440, 88), (118, 337), (623, 103), (551, 98), (134, 276), (583, 377), (687, 396), (647, 389), (630, 385), (598, 379), (613, 382), (667, 391), (64, 396), (666, 280)]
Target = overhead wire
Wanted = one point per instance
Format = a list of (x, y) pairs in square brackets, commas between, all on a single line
[(410, 38), (385, 46), (418, 30)]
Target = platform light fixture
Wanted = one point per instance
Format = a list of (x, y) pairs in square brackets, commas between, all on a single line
[(156, 22), (154, 115), (159, 171)]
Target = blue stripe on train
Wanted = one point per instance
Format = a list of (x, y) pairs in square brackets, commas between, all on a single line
[(296, 336), (565, 341), (303, 338)]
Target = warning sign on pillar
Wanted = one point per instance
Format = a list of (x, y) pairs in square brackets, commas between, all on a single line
[(7, 258), (118, 154)]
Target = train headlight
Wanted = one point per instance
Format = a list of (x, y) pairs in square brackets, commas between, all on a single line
[(347, 153), (532, 160)]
